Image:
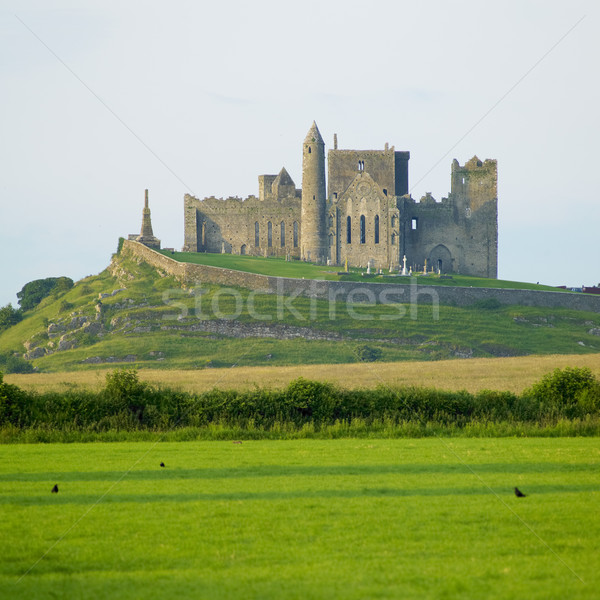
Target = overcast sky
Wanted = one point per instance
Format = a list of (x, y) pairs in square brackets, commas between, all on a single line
[(100, 100)]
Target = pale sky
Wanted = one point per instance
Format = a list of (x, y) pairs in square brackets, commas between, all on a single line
[(100, 100)]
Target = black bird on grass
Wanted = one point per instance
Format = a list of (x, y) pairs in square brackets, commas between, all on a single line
[(162, 464), (519, 493), (55, 489)]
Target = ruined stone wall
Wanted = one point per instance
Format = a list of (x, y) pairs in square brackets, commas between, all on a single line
[(216, 225), (339, 291), (460, 233), (474, 191), (430, 232), (439, 231), (387, 167), (474, 184), (366, 209)]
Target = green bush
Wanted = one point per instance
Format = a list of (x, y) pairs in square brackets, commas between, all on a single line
[(17, 364), (13, 363), (568, 392), (366, 353), (13, 403), (312, 400), (124, 390), (488, 304), (64, 306)]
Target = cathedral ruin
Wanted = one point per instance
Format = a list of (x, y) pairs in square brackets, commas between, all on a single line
[(362, 215)]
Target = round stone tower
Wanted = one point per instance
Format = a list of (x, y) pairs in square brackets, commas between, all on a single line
[(313, 245)]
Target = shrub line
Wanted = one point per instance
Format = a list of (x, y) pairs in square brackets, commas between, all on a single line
[(563, 403)]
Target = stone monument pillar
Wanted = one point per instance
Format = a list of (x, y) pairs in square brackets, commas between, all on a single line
[(146, 236)]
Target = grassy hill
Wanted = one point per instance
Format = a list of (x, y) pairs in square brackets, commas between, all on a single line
[(151, 320)]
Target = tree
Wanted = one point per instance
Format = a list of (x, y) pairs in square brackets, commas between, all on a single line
[(9, 316), (35, 291)]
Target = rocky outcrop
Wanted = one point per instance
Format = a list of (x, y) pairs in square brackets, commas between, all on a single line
[(66, 343), (97, 360), (35, 353), (237, 329)]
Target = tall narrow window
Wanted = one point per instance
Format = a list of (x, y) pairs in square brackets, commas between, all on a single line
[(363, 233), (295, 228), (256, 234), (269, 234), (349, 230), (377, 229), (282, 229)]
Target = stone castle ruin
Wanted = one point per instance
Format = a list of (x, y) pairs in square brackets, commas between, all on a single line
[(363, 216)]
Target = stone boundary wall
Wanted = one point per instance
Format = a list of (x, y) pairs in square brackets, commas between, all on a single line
[(341, 291)]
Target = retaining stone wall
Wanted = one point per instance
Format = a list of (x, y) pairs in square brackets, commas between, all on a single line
[(341, 291)]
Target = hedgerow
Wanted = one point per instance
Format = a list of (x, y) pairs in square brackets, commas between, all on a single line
[(128, 404)]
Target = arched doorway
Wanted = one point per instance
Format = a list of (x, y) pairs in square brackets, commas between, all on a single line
[(441, 259)]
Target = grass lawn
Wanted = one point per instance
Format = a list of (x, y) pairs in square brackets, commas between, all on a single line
[(304, 519), (279, 267)]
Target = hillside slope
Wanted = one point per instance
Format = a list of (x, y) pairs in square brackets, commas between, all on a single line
[(133, 313)]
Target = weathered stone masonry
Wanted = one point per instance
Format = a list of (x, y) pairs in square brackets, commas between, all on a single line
[(363, 214)]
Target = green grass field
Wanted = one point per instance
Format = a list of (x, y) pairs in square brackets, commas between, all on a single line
[(279, 267), (430, 518)]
